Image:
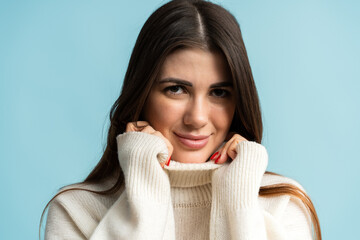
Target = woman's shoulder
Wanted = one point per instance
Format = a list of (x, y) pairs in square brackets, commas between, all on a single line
[(96, 186), (79, 207), (86, 195), (286, 204), (270, 178), (276, 199)]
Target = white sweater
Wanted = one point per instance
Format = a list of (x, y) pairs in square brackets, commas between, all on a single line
[(182, 201)]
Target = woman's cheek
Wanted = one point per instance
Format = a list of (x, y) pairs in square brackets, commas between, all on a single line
[(222, 116), (166, 114)]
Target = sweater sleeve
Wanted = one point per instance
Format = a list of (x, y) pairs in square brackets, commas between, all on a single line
[(143, 209), (236, 211), (60, 225)]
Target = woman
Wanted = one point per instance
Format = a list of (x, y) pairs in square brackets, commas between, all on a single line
[(183, 157)]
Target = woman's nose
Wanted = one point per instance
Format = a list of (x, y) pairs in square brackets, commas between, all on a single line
[(197, 113)]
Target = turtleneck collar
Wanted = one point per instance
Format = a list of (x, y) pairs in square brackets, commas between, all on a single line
[(190, 174)]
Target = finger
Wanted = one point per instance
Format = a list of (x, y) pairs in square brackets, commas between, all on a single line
[(222, 157), (141, 124), (136, 126), (168, 145), (148, 129), (229, 149), (130, 127)]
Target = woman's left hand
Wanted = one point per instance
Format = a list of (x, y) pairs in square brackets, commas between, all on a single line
[(228, 149)]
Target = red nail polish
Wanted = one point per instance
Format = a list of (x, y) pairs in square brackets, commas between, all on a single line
[(217, 159), (214, 155), (168, 162)]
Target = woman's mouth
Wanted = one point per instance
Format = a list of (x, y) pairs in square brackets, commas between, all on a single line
[(193, 141)]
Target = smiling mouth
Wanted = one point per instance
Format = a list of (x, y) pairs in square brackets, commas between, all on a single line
[(193, 141)]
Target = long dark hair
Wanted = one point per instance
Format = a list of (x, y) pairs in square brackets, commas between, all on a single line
[(186, 24)]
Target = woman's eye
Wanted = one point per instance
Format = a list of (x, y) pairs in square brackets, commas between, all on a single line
[(175, 89), (220, 93)]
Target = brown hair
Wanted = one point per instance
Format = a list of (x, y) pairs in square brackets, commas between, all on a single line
[(181, 24)]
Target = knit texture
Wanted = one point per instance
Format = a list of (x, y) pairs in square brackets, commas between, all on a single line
[(181, 201)]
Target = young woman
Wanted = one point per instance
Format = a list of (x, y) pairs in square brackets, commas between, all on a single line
[(184, 158)]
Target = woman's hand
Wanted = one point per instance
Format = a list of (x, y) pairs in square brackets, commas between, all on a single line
[(143, 126), (228, 149)]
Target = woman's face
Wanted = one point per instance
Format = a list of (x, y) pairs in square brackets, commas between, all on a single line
[(192, 103)]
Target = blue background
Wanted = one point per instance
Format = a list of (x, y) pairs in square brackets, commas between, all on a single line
[(61, 67)]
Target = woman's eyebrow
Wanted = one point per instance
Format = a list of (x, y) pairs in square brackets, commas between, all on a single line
[(187, 83), (176, 80), (221, 84)]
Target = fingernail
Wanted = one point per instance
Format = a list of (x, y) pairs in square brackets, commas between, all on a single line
[(214, 155), (168, 162), (217, 159)]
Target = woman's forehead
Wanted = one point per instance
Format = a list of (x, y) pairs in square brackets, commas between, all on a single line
[(195, 63)]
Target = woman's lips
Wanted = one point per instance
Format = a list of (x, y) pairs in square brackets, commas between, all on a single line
[(193, 141)]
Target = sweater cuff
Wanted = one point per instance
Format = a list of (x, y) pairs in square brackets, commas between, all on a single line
[(139, 156), (251, 164), (239, 182)]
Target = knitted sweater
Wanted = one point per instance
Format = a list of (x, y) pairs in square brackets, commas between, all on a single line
[(181, 201)]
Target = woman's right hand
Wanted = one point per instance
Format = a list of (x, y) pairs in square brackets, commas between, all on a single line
[(143, 126)]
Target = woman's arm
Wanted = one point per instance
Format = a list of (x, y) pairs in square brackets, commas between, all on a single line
[(236, 210), (143, 209)]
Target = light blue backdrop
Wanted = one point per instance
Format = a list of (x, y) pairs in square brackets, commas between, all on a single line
[(61, 67)]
